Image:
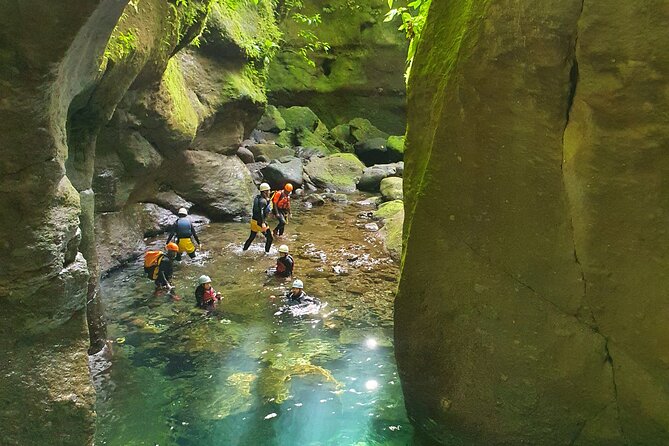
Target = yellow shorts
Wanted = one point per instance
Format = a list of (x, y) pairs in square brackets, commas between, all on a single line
[(255, 227), (186, 245)]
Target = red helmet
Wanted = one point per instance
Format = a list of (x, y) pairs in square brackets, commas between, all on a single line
[(172, 247), (288, 187)]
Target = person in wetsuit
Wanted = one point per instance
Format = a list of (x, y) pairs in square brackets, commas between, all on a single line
[(285, 262), (165, 268), (281, 207), (296, 295), (261, 210), (183, 232), (205, 295)]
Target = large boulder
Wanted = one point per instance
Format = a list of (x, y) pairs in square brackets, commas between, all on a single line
[(220, 185), (340, 172), (286, 170), (537, 225)]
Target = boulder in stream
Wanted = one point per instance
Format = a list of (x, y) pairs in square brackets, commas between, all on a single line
[(340, 172), (392, 188), (285, 170)]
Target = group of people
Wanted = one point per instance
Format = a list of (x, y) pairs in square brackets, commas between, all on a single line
[(183, 238)]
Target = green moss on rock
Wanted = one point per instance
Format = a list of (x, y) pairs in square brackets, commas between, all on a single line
[(389, 209), (179, 112), (340, 172)]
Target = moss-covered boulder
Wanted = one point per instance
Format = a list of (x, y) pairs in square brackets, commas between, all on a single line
[(297, 118), (376, 151), (392, 188), (395, 146), (363, 130), (545, 323), (341, 137), (272, 121), (340, 172)]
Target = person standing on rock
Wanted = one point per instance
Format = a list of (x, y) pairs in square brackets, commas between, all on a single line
[(261, 209), (281, 208), (184, 234)]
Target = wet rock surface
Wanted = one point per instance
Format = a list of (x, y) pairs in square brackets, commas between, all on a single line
[(535, 329), (340, 172)]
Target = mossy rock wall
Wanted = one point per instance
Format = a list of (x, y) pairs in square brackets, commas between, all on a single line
[(535, 233), (362, 76), (48, 56)]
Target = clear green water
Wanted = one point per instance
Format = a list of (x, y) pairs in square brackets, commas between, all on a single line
[(244, 375)]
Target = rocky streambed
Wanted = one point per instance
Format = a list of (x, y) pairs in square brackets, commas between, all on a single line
[(243, 374)]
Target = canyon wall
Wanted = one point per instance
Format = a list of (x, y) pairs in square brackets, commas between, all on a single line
[(532, 305)]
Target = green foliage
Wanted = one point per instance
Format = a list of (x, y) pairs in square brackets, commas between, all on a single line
[(413, 18), (121, 45), (311, 44)]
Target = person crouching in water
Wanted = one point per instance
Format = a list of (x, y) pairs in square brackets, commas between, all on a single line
[(281, 208), (261, 210), (164, 269), (205, 295), (285, 263), (184, 233)]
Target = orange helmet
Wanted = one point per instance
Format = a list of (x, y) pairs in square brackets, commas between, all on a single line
[(288, 187), (172, 247)]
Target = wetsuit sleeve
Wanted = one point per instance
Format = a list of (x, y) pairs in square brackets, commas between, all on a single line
[(289, 266), (192, 230), (262, 204), (166, 269)]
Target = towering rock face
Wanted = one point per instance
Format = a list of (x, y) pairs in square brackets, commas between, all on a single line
[(46, 396), (99, 102), (536, 151), (362, 75)]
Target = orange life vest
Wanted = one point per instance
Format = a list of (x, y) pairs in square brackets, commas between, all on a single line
[(281, 200)]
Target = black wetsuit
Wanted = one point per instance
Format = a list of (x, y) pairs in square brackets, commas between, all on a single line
[(183, 228), (284, 266), (300, 298), (165, 271), (260, 211)]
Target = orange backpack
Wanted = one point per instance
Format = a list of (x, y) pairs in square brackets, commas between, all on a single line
[(152, 260)]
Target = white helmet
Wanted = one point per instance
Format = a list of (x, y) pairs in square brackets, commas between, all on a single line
[(284, 248), (183, 211), (298, 284), (264, 187), (204, 279)]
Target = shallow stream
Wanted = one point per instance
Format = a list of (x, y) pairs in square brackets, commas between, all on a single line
[(244, 375)]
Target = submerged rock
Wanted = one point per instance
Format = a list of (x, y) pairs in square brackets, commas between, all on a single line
[(340, 172)]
